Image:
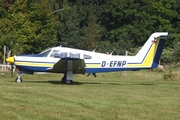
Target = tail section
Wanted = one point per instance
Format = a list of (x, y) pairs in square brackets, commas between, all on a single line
[(150, 53)]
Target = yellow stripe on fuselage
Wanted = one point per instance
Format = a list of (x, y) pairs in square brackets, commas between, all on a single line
[(149, 58), (50, 64), (92, 65), (34, 64)]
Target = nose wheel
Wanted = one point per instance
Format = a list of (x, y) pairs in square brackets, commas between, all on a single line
[(18, 79)]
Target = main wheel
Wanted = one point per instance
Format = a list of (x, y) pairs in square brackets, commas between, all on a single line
[(18, 80), (63, 80), (69, 81)]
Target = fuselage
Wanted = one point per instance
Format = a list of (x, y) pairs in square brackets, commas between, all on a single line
[(71, 61), (95, 62), (75, 61)]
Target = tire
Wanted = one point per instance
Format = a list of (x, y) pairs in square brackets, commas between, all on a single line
[(69, 81), (63, 80), (18, 80)]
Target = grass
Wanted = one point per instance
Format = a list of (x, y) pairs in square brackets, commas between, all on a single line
[(113, 96)]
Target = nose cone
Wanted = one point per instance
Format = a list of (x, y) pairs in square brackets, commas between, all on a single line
[(10, 59)]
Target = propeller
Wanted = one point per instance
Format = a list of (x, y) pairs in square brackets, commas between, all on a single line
[(13, 67)]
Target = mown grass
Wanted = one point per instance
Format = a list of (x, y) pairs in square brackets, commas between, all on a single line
[(111, 96)]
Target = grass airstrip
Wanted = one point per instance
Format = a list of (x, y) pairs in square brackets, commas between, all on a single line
[(138, 95)]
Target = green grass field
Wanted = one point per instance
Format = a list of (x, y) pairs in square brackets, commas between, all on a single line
[(139, 95)]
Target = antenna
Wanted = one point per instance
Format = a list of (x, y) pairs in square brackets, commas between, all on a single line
[(95, 48), (112, 51)]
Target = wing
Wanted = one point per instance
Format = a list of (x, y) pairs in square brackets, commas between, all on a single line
[(69, 64)]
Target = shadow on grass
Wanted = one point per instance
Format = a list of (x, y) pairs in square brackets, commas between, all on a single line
[(57, 82), (118, 83), (53, 82)]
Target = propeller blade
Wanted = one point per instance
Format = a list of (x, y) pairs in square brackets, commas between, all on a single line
[(11, 70), (11, 61), (14, 68)]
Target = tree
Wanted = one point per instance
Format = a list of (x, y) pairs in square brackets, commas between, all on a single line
[(90, 32), (32, 25), (28, 27), (176, 53), (77, 24), (42, 27)]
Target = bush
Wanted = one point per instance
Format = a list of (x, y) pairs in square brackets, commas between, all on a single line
[(176, 53), (166, 56), (170, 76)]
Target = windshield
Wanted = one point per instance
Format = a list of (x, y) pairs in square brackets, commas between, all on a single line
[(45, 53)]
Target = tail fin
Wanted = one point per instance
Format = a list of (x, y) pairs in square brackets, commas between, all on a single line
[(149, 55)]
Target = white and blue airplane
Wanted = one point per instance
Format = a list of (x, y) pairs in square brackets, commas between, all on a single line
[(71, 61)]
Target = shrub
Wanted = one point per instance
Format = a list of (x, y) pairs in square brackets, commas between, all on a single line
[(166, 56), (170, 76), (176, 53)]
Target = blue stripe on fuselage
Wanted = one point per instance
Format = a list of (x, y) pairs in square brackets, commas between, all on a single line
[(88, 70), (32, 68), (98, 70)]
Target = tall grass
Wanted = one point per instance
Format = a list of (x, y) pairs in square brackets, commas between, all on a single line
[(110, 96)]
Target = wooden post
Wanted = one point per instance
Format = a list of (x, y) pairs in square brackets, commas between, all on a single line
[(4, 57)]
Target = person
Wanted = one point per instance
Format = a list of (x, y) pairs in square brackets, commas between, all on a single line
[(107, 53)]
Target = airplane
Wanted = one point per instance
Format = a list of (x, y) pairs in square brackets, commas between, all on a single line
[(69, 61)]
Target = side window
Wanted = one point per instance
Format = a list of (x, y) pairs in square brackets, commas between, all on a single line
[(55, 54), (58, 54), (74, 55), (45, 53), (63, 54), (86, 56)]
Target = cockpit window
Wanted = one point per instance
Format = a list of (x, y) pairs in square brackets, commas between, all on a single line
[(86, 56), (58, 54), (45, 53), (74, 55), (64, 54), (55, 54)]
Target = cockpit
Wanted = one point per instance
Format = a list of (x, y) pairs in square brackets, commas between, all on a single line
[(55, 53), (58, 54), (45, 53)]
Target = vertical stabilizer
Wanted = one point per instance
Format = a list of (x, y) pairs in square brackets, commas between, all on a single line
[(149, 55)]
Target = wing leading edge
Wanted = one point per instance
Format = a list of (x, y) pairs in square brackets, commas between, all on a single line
[(77, 66)]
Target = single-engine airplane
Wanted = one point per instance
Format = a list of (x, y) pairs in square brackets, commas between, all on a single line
[(71, 61)]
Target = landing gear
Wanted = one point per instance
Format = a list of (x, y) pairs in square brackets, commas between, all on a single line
[(67, 78), (69, 81), (65, 81), (18, 79)]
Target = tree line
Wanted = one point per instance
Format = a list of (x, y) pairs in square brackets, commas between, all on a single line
[(30, 26)]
